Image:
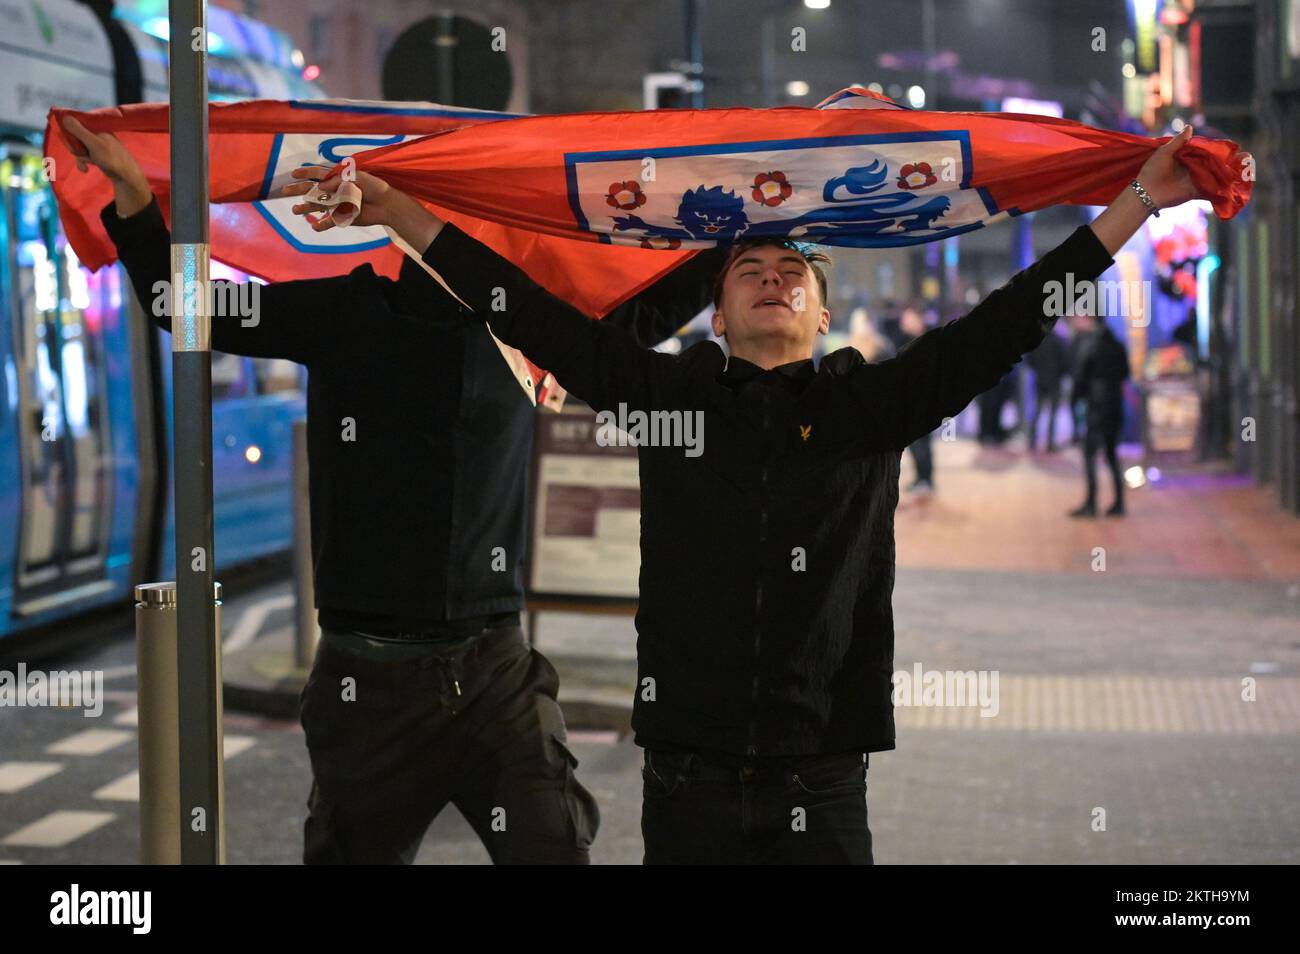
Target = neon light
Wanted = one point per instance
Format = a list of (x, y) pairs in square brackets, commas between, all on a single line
[(78, 291), (44, 283), (1204, 269), (157, 26)]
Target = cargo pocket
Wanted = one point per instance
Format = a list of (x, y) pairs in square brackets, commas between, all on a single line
[(580, 804), (302, 700)]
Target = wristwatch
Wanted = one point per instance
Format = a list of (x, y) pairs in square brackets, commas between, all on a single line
[(1145, 197)]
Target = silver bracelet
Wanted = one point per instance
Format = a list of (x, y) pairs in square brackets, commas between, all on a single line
[(1145, 197)]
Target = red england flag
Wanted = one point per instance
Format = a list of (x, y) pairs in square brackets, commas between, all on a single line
[(572, 199), (858, 171)]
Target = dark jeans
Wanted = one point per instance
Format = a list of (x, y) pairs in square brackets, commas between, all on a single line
[(990, 409), (474, 723), (1102, 436), (1045, 403), (766, 811), (923, 457)]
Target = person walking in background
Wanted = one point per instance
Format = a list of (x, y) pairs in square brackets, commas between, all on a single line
[(1100, 371), (910, 326), (1048, 362)]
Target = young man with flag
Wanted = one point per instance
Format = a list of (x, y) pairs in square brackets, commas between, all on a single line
[(424, 690), (765, 622)]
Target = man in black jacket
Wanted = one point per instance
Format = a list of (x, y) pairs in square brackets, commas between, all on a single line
[(767, 561), (424, 690), (1049, 362), (1101, 368)]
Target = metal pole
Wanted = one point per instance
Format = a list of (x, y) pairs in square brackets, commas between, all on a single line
[(157, 694), (445, 41), (767, 58), (928, 45), (695, 53), (306, 633), (198, 663)]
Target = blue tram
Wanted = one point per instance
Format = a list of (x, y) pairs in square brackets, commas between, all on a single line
[(85, 389)]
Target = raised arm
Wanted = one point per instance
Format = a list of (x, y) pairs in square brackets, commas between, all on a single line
[(670, 303), (283, 319), (940, 372), (597, 361), (294, 319)]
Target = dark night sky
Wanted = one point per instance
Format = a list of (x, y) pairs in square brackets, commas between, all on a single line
[(590, 55)]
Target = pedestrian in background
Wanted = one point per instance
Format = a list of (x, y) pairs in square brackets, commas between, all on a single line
[(1099, 374), (910, 326), (1049, 363)]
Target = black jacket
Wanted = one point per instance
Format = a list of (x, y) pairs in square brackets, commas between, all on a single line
[(1100, 370), (1050, 361), (405, 516), (748, 653)]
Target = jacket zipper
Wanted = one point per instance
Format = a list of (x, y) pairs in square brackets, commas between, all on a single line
[(752, 748)]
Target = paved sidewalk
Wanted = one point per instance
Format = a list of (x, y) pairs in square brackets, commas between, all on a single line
[(1005, 509), (1161, 694)]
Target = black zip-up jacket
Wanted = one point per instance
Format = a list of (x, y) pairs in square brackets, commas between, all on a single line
[(767, 562), (405, 516)]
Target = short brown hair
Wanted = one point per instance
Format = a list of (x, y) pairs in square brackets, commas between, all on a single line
[(811, 254)]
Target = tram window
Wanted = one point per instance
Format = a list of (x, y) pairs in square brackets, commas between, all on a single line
[(228, 380), (276, 375)]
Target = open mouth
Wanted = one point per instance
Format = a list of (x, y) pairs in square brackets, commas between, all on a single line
[(771, 302), (712, 228)]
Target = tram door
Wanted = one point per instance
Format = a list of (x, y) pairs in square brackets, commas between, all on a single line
[(57, 310)]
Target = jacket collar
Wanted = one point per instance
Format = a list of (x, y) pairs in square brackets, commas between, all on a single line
[(738, 370)]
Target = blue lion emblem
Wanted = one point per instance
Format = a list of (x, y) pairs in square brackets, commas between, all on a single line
[(703, 214), (854, 206)]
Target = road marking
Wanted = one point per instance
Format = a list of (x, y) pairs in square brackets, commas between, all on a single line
[(245, 631), (250, 623), (58, 829), (90, 742), (130, 717), (1124, 703), (16, 776), (593, 736), (234, 744), (124, 789)]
